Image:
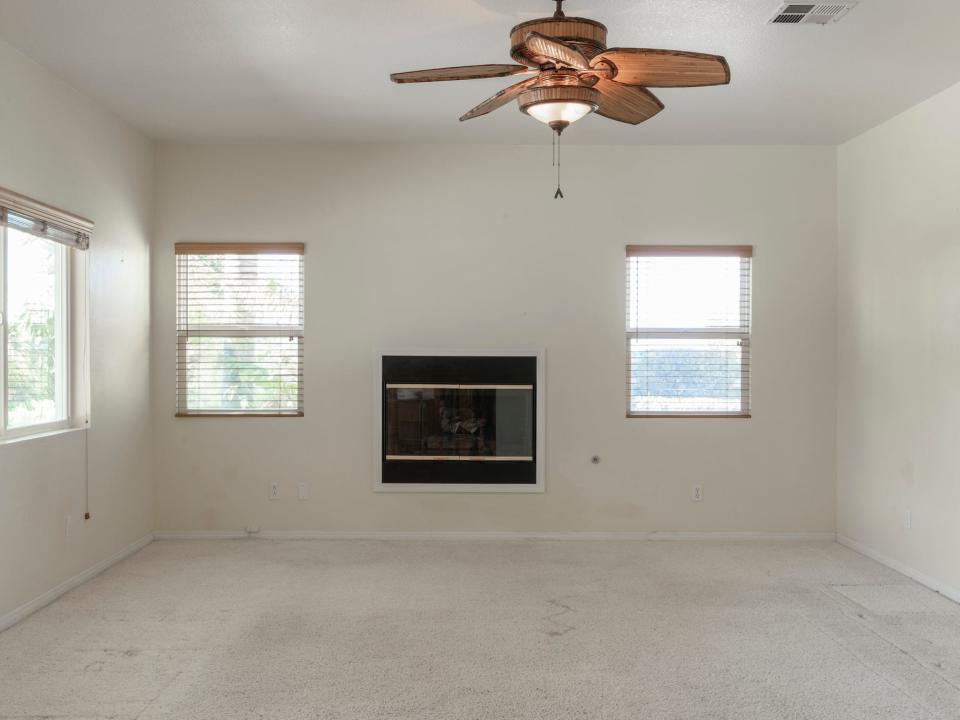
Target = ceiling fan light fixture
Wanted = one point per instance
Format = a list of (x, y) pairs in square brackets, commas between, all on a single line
[(560, 106), (559, 112)]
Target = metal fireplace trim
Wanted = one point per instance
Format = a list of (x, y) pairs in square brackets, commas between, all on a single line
[(539, 414), (460, 386), (463, 458)]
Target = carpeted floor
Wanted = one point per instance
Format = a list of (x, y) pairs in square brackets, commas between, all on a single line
[(464, 630)]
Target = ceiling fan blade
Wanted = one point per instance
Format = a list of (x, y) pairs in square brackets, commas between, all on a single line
[(664, 68), (465, 72), (626, 103), (555, 51), (498, 100)]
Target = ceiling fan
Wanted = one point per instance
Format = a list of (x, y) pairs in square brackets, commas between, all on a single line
[(574, 74)]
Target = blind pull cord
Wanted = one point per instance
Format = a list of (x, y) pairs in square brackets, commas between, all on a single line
[(558, 195), (86, 373), (86, 470)]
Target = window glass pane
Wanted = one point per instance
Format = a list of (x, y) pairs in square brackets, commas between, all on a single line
[(685, 292), (35, 347), (243, 374), (686, 375)]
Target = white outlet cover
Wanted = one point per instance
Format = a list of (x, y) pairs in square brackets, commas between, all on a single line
[(697, 493), (302, 491), (274, 491)]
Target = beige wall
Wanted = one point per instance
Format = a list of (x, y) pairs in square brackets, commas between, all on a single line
[(463, 246), (899, 347), (59, 147)]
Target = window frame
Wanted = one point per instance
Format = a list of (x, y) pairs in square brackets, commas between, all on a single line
[(184, 331), (71, 234), (62, 358), (742, 333)]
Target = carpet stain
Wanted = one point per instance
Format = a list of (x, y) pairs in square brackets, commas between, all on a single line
[(560, 628)]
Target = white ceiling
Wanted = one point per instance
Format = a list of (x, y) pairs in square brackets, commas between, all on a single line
[(317, 69)]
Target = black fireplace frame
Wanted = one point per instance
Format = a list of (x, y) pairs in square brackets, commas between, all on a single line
[(524, 369)]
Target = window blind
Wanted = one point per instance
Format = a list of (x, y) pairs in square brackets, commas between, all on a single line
[(688, 331), (45, 221), (240, 329)]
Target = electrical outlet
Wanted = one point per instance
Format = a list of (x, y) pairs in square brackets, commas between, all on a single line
[(274, 491), (67, 529), (697, 494), (907, 520), (302, 490)]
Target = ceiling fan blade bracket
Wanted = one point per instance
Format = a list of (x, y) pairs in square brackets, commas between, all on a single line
[(555, 51), (601, 68), (664, 68)]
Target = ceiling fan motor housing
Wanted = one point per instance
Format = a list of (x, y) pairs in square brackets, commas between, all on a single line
[(588, 36)]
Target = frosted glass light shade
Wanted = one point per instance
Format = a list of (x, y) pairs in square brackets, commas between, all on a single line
[(559, 112)]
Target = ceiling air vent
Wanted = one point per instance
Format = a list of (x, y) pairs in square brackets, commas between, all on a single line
[(811, 14)]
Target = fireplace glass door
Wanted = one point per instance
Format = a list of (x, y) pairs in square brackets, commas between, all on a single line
[(459, 422)]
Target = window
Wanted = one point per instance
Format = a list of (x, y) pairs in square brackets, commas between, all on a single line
[(239, 329), (688, 331), (39, 336)]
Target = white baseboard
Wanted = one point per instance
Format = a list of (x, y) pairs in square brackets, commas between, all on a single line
[(17, 614), (445, 535), (489, 535), (715, 536), (902, 568), (201, 535)]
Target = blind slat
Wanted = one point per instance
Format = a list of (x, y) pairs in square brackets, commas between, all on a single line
[(239, 248), (240, 329), (689, 250)]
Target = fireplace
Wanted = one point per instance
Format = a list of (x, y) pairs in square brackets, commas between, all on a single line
[(460, 421)]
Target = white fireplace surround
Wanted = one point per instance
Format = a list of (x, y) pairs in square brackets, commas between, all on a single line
[(540, 411)]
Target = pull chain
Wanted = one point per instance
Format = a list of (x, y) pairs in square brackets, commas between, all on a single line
[(558, 195)]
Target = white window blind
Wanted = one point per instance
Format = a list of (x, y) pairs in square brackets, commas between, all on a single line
[(688, 331), (240, 329), (45, 221)]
